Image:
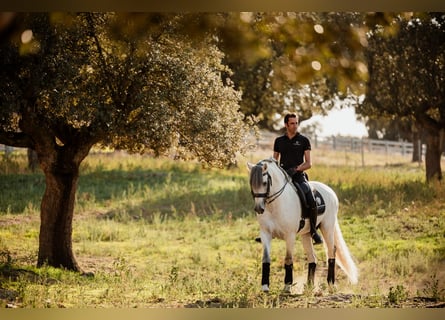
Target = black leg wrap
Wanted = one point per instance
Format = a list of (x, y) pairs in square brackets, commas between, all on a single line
[(331, 271), (266, 273), (311, 273), (288, 278)]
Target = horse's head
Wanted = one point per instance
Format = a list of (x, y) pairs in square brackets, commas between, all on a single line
[(261, 176)]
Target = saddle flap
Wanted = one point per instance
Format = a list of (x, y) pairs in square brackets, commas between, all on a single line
[(321, 206)]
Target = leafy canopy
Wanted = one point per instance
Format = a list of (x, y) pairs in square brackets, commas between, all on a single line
[(407, 70), (159, 91)]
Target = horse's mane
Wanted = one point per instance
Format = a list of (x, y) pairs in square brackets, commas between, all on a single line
[(256, 176), (273, 160), (260, 172)]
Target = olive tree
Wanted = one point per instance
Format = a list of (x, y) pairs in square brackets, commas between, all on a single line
[(76, 80), (406, 76)]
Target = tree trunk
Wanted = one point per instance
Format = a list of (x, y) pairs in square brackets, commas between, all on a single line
[(55, 240), (60, 165), (417, 148), (432, 157), (33, 161)]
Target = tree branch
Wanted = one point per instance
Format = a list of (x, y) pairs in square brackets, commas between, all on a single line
[(105, 70), (16, 139), (428, 122)]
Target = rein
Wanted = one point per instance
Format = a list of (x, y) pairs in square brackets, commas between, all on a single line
[(273, 197)]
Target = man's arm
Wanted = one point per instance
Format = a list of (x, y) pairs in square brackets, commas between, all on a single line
[(307, 164), (276, 155)]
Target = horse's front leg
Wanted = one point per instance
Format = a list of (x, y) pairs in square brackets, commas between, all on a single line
[(288, 263), (266, 240)]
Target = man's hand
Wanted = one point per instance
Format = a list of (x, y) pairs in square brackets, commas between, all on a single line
[(291, 171)]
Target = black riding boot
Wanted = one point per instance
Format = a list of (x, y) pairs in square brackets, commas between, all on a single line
[(313, 220)]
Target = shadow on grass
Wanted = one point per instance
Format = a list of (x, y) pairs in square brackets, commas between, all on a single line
[(170, 194), (178, 194), (21, 191)]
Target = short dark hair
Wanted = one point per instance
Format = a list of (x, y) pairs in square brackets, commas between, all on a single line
[(289, 115)]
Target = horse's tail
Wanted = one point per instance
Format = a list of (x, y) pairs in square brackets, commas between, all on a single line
[(343, 256)]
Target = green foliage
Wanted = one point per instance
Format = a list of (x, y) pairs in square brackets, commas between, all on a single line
[(276, 72), (397, 294), (433, 290), (409, 57)]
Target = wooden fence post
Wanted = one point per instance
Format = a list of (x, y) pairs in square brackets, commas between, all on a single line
[(362, 148)]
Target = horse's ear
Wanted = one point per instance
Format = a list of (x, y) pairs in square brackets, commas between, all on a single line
[(249, 166)]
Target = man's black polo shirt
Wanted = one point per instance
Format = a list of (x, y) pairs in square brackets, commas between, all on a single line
[(291, 150)]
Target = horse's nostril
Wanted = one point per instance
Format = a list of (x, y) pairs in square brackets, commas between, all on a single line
[(259, 210)]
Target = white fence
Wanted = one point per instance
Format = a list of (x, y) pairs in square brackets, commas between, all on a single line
[(6, 149), (351, 145), (367, 145)]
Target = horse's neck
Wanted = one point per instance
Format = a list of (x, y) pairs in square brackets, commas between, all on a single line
[(289, 192), (280, 180), (287, 205)]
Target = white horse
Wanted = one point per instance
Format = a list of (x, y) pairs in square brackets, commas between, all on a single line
[(279, 213)]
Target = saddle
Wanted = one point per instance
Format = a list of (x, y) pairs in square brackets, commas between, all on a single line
[(321, 206)]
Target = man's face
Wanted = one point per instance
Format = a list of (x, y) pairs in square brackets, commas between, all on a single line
[(292, 125)]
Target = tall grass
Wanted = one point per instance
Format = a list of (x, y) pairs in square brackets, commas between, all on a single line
[(158, 232)]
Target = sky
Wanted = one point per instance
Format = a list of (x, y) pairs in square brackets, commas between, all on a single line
[(338, 122)]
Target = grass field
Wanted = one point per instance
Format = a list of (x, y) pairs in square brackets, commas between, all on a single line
[(160, 233)]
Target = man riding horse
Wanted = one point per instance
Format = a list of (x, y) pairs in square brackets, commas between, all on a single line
[(293, 151)]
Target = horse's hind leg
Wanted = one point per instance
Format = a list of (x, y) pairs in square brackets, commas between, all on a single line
[(328, 235), (311, 273), (312, 260), (331, 271)]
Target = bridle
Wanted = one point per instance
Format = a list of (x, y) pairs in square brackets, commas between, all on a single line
[(269, 198)]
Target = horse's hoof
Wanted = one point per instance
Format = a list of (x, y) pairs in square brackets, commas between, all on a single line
[(265, 288), (332, 288), (287, 288)]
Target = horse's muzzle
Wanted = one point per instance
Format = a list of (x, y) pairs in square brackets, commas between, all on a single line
[(259, 208)]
